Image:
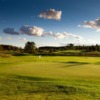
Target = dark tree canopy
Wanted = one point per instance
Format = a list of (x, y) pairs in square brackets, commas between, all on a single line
[(9, 48), (30, 47)]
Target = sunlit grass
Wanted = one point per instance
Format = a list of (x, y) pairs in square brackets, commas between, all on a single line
[(49, 78)]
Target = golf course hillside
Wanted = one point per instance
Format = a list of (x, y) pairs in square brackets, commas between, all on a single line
[(49, 49), (49, 78)]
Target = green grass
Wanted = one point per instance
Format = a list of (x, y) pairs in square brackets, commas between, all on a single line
[(67, 51), (49, 78)]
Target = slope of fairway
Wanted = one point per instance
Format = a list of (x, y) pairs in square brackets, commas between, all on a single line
[(49, 78)]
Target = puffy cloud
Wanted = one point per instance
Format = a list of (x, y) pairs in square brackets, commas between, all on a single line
[(51, 14), (28, 30), (55, 35), (38, 31), (10, 31), (32, 30), (59, 35), (92, 24), (63, 35)]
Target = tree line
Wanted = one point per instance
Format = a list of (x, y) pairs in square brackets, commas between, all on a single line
[(83, 48), (9, 48), (30, 47)]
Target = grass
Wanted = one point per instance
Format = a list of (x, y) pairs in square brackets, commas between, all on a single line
[(67, 51), (49, 78)]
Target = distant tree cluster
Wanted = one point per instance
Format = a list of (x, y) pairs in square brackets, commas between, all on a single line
[(9, 48), (71, 47)]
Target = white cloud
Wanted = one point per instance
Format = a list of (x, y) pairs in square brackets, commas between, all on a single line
[(76, 36), (31, 30), (59, 35), (38, 31), (92, 24), (63, 35), (51, 14), (10, 31)]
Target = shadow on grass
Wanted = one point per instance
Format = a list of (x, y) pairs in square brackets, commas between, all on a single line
[(27, 86), (74, 63), (67, 89), (97, 63), (21, 54), (9, 87), (30, 78)]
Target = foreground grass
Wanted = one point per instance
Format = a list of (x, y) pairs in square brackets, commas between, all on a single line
[(49, 78)]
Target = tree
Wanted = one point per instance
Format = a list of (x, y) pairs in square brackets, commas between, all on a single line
[(70, 46), (30, 47)]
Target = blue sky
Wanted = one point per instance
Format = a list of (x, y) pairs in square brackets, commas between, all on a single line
[(49, 22)]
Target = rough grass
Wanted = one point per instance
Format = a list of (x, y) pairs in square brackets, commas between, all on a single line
[(49, 78)]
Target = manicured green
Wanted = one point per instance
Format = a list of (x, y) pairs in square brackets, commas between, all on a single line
[(50, 78)]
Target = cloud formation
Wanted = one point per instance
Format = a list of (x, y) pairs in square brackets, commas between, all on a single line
[(10, 31), (39, 32), (31, 30), (63, 35), (92, 24), (51, 14), (28, 30)]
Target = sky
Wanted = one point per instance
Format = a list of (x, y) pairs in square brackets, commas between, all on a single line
[(49, 22)]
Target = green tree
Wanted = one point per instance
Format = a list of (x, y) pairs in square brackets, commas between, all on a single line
[(70, 46), (30, 47)]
